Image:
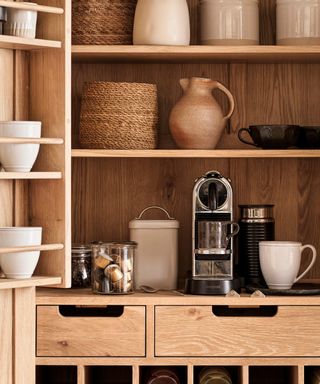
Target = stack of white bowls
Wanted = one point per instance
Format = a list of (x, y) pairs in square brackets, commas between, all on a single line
[(21, 22), (19, 157)]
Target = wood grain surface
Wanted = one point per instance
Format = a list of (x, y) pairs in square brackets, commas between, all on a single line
[(6, 332), (196, 331), (87, 336)]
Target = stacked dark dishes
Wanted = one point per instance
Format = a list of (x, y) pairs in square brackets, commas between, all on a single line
[(3, 18), (256, 224)]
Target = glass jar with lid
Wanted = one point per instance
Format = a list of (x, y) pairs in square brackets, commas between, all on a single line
[(81, 266), (112, 267)]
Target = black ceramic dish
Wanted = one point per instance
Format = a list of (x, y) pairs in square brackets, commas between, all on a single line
[(272, 136), (309, 137)]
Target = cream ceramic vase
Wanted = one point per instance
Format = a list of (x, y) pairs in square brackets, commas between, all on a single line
[(197, 121), (161, 22)]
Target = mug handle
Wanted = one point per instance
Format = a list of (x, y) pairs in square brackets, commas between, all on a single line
[(234, 232), (244, 140), (314, 256)]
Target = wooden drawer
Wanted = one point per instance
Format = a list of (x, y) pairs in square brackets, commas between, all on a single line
[(102, 331), (263, 331)]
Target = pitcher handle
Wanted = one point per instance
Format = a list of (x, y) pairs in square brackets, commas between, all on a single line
[(230, 98), (314, 256)]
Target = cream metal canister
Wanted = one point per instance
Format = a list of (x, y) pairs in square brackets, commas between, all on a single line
[(156, 261), (229, 22), (298, 22)]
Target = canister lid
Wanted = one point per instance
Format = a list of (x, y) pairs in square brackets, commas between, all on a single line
[(153, 224), (80, 250)]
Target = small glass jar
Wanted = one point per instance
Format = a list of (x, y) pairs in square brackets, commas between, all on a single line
[(112, 267), (81, 266)]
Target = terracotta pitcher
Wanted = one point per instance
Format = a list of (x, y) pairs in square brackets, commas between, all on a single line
[(197, 121)]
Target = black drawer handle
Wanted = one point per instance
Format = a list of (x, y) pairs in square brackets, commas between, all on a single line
[(261, 311), (78, 311)]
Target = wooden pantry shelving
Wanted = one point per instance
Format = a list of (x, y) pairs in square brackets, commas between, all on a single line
[(196, 53), (30, 175), (193, 153), (27, 44), (31, 7), (43, 247), (29, 140)]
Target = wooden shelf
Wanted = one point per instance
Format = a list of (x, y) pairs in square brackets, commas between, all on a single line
[(30, 175), (31, 7), (29, 248), (196, 53), (196, 153), (13, 42), (31, 282), (29, 140)]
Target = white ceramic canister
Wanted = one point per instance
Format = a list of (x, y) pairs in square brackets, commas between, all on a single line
[(161, 22), (298, 22), (229, 22), (21, 22), (156, 260)]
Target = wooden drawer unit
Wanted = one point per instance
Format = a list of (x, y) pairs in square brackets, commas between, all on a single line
[(213, 331), (115, 331)]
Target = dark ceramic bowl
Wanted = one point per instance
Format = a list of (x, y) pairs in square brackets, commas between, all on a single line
[(272, 136), (309, 137)]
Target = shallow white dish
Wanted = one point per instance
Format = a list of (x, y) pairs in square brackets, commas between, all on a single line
[(20, 265), (19, 157)]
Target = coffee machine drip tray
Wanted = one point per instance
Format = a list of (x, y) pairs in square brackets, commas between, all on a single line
[(211, 287)]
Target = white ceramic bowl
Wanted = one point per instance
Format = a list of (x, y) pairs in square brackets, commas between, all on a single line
[(19, 265), (21, 23), (19, 157)]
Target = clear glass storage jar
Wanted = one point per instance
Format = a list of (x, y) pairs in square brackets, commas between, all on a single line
[(81, 266), (112, 267)]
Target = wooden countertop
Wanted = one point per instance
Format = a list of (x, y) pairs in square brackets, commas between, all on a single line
[(49, 296)]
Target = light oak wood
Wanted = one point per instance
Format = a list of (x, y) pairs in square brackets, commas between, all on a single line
[(86, 336), (31, 282), (44, 247), (49, 201), (245, 374), (135, 374), (194, 53), (180, 153), (27, 140), (190, 374), (6, 337), (30, 175), (196, 331), (82, 375), (24, 335), (31, 7), (13, 42)]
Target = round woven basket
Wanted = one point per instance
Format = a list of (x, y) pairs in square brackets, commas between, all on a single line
[(119, 116), (102, 21)]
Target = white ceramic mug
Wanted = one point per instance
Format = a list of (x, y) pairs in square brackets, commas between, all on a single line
[(20, 265), (280, 262)]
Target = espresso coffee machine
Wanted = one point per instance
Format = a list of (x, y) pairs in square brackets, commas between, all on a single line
[(212, 237)]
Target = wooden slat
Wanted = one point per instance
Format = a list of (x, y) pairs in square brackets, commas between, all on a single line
[(31, 7), (30, 175), (13, 42), (195, 53), (31, 282), (29, 140), (190, 374), (50, 202), (180, 153), (6, 336), (45, 247), (24, 335)]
